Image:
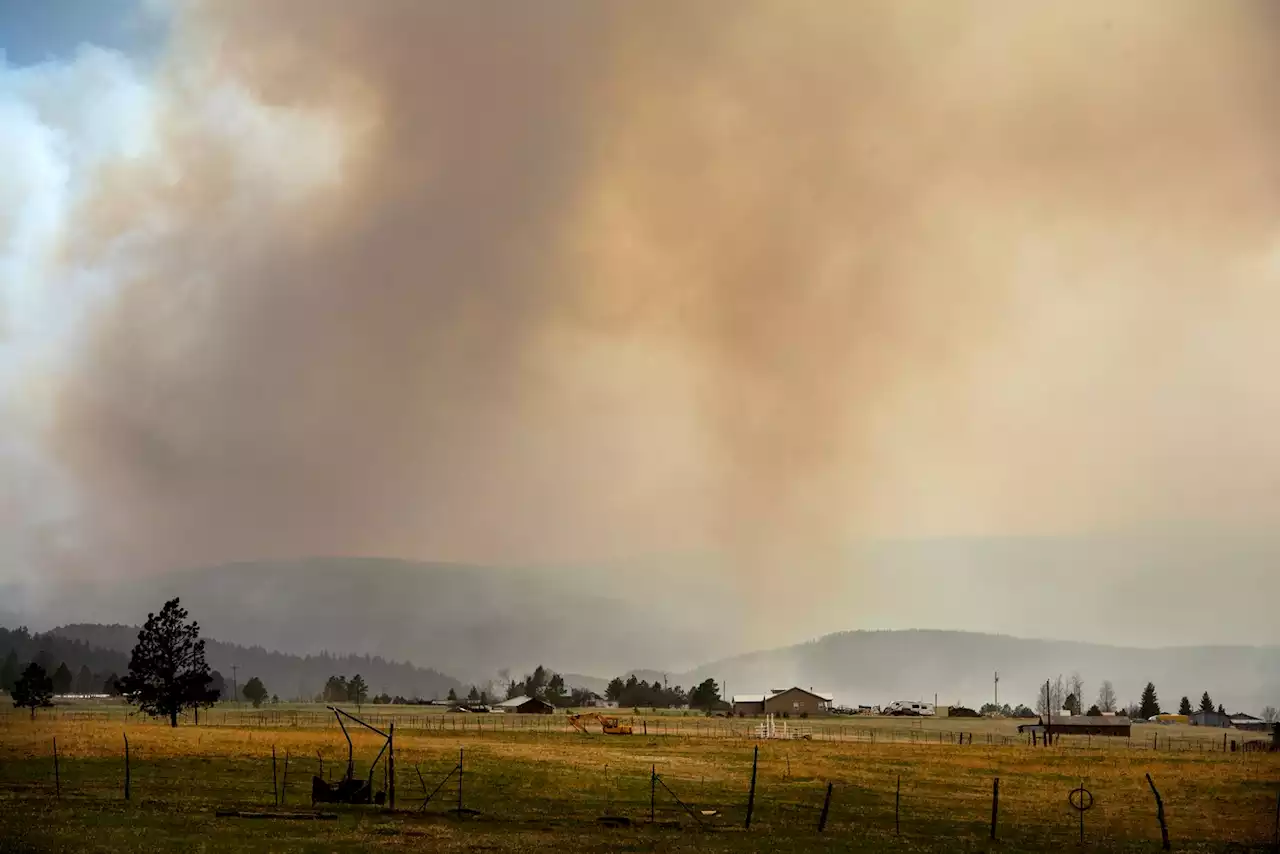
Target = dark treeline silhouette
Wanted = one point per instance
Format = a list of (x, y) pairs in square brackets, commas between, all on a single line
[(636, 692), (106, 649), (73, 666)]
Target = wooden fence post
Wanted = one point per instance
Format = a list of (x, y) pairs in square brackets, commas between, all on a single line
[(653, 789), (57, 780), (897, 802), (126, 766), (751, 796), (1164, 829), (275, 788), (391, 766), (995, 804), (284, 782), (826, 806), (459, 781)]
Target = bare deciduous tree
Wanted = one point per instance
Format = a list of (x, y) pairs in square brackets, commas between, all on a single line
[(1057, 695), (1270, 715), (1107, 696)]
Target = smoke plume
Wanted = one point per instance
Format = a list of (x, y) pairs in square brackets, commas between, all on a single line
[(532, 282)]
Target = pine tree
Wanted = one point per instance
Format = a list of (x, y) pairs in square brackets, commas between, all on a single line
[(453, 696), (1149, 706), (357, 690), (167, 670), (1222, 711), (33, 690), (254, 691), (474, 696), (1184, 707), (84, 682), (9, 672), (62, 679), (1206, 702)]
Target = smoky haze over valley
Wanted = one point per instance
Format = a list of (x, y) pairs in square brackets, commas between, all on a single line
[(642, 334)]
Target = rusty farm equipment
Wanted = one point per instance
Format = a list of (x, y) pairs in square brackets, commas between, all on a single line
[(350, 789)]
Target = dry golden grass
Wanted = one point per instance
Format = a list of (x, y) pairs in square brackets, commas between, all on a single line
[(560, 782)]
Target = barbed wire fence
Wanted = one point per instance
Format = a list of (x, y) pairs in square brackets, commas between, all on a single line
[(742, 729), (741, 797)]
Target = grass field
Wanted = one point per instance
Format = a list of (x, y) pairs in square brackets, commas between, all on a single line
[(541, 788)]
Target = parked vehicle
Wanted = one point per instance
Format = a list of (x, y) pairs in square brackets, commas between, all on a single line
[(910, 708)]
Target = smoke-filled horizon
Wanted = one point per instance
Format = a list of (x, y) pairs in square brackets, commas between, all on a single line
[(581, 281)]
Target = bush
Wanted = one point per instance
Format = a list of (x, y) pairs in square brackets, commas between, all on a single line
[(804, 714), (1094, 711), (962, 712), (786, 714)]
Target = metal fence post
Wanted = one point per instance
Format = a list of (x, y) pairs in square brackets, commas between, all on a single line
[(751, 796), (459, 781), (126, 767), (275, 787), (57, 780), (826, 806)]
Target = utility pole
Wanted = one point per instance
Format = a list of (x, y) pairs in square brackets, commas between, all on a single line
[(997, 689)]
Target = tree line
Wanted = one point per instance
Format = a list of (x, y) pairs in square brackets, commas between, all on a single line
[(1067, 694)]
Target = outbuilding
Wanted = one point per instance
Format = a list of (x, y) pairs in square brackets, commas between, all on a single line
[(1210, 719), (526, 706)]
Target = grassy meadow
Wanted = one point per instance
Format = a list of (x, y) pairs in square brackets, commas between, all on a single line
[(534, 788)]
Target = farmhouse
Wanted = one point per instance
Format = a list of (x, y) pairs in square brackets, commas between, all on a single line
[(525, 706), (780, 701), (1110, 725)]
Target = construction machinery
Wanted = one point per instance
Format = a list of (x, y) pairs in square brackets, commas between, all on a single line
[(609, 724)]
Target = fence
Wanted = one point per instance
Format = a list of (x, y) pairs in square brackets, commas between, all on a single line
[(744, 797), (1148, 737)]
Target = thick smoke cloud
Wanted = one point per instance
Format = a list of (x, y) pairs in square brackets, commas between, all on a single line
[(531, 282)]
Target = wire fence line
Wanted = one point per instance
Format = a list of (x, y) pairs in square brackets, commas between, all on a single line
[(638, 790), (743, 729)]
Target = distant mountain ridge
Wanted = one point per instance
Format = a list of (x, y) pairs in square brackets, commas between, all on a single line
[(877, 667), (289, 676), (469, 621)]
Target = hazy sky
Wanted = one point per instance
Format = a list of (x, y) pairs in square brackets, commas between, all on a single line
[(583, 281)]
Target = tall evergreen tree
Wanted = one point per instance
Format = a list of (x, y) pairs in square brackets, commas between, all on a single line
[(1184, 707), (705, 696), (357, 690), (1206, 702), (62, 679), (84, 682), (254, 691), (33, 690), (167, 670), (9, 672), (1149, 706)]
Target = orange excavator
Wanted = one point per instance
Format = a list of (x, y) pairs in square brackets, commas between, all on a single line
[(609, 724)]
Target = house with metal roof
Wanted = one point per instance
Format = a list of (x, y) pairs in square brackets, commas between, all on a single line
[(525, 706)]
